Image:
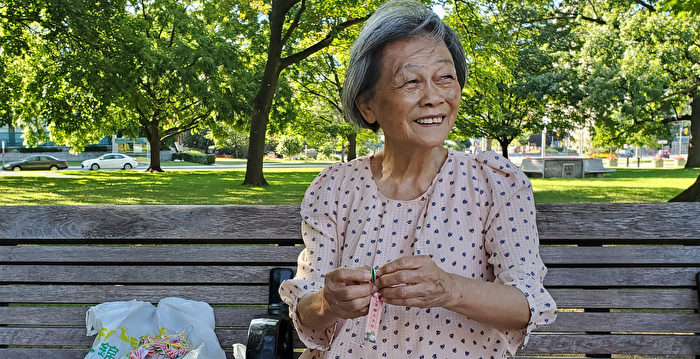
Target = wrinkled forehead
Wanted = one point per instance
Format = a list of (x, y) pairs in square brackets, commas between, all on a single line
[(414, 54)]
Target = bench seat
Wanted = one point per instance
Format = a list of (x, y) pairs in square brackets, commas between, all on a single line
[(624, 286)]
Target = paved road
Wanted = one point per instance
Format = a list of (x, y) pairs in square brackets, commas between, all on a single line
[(223, 167)]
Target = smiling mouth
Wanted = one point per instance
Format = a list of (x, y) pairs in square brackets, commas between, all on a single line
[(430, 120)]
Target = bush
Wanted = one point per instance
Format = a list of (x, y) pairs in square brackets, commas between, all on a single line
[(38, 149), (195, 157), (97, 148)]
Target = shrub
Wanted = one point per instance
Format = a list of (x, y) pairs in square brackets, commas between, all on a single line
[(97, 148), (38, 149), (195, 157)]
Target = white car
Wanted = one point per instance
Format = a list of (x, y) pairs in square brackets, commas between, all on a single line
[(111, 160)]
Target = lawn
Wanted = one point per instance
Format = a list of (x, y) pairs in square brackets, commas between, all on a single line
[(287, 186), (623, 185)]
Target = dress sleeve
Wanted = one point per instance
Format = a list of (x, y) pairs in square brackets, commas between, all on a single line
[(321, 253), (512, 241)]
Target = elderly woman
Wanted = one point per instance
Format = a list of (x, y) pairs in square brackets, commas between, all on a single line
[(447, 240)]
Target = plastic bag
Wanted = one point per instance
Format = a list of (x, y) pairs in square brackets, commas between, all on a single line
[(120, 325), (238, 351)]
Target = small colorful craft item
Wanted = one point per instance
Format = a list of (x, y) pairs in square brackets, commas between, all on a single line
[(375, 313), (162, 346)]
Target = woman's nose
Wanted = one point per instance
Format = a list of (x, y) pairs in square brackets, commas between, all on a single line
[(432, 95)]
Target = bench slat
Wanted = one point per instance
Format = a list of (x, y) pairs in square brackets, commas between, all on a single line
[(158, 274), (539, 343), (220, 294), (75, 316), (265, 224), (621, 277), (639, 255), (94, 294), (622, 344), (161, 254), (625, 322), (247, 274), (241, 317), (647, 255), (626, 298)]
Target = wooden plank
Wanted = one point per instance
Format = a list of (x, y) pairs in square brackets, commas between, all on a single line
[(625, 222), (625, 298), (75, 316), (154, 274), (647, 255), (223, 294), (195, 274), (94, 294), (625, 322), (621, 255), (622, 277), (150, 224), (557, 223), (539, 343), (76, 337), (612, 344), (147, 254), (241, 317)]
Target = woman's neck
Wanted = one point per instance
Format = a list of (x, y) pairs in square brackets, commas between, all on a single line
[(406, 174)]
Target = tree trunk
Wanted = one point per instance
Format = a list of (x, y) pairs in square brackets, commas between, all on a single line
[(504, 147), (154, 140), (263, 101), (352, 146), (692, 194), (694, 144), (487, 146)]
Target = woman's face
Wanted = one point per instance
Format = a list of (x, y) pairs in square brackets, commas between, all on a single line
[(417, 95)]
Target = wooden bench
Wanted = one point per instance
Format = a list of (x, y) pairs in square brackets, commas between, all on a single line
[(623, 275)]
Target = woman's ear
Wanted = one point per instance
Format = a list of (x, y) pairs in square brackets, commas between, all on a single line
[(363, 104)]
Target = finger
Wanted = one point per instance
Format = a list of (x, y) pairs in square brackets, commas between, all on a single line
[(408, 302), (350, 292), (402, 291), (352, 308), (359, 274), (401, 277), (402, 263)]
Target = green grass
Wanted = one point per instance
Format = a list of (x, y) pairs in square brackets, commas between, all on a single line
[(623, 185), (287, 186)]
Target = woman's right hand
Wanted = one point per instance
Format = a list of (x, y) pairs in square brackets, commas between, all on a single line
[(347, 291)]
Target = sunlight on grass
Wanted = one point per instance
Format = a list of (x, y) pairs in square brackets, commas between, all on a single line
[(287, 186), (624, 185)]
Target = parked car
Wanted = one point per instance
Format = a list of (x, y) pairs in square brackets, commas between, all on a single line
[(626, 153), (664, 154), (111, 160), (36, 162)]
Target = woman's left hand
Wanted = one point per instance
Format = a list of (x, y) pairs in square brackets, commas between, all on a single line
[(415, 281)]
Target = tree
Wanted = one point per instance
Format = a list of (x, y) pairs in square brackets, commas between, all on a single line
[(513, 84), (318, 83), (640, 69), (296, 30), (151, 68)]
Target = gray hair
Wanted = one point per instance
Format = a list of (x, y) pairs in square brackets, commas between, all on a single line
[(394, 20)]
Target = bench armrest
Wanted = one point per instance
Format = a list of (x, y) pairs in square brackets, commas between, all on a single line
[(270, 336)]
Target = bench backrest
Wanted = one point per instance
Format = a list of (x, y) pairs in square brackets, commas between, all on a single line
[(623, 275)]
